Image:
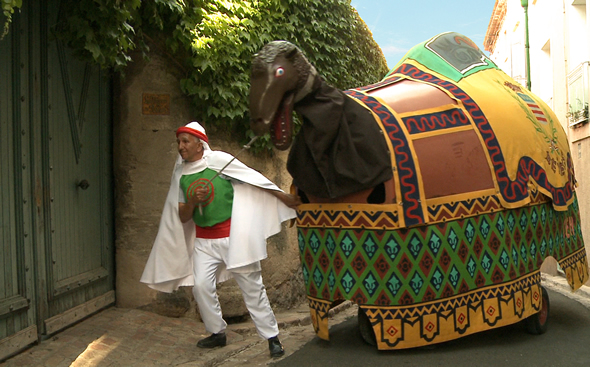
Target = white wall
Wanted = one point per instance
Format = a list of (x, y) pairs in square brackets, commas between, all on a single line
[(578, 39), (559, 42)]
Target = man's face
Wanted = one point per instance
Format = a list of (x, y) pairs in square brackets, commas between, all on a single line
[(189, 147)]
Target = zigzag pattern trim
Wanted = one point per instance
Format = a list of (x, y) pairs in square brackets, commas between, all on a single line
[(319, 305), (442, 120), (574, 259), (576, 269), (318, 218), (467, 299), (463, 209), (471, 207)]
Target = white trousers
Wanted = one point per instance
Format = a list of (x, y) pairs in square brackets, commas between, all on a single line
[(205, 268)]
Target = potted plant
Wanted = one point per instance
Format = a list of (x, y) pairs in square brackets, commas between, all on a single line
[(579, 116)]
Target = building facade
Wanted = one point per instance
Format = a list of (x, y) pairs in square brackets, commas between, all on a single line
[(558, 54)]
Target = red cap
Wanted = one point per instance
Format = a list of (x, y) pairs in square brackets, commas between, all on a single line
[(194, 128)]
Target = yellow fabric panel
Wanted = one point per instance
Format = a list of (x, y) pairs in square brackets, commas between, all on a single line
[(519, 131), (523, 125)]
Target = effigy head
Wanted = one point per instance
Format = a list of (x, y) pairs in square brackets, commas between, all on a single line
[(278, 80)]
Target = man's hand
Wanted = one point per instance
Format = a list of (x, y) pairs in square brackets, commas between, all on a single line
[(292, 201), (186, 210), (201, 194)]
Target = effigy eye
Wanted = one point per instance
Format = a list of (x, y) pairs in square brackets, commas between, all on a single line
[(279, 72)]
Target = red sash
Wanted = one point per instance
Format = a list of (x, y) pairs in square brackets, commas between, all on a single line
[(219, 230)]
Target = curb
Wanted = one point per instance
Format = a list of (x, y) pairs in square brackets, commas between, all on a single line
[(247, 337), (299, 316), (560, 285)]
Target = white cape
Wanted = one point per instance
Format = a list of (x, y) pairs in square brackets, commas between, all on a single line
[(256, 215)]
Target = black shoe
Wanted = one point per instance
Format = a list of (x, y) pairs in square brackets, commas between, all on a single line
[(212, 341), (275, 347)]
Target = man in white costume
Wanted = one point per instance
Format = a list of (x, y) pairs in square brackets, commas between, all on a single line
[(214, 227)]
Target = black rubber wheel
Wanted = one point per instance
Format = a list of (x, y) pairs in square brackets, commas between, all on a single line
[(537, 324), (365, 328)]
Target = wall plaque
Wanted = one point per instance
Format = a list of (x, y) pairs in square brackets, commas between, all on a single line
[(155, 104)]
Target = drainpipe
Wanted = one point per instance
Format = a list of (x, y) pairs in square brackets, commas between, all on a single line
[(525, 5)]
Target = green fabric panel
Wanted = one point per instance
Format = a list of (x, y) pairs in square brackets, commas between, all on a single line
[(435, 63), (410, 266), (218, 205)]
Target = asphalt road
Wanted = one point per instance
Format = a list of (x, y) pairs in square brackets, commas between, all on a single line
[(566, 343)]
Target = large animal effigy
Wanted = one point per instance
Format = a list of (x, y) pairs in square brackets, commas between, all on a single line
[(432, 198)]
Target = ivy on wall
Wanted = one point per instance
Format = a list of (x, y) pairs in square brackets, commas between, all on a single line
[(213, 42), (8, 8)]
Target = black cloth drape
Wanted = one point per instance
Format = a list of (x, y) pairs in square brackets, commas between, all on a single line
[(340, 149)]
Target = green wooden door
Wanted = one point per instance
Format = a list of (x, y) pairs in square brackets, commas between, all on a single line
[(77, 158), (18, 326), (56, 219)]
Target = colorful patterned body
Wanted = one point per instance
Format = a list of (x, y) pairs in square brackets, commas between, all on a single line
[(437, 282), (482, 193)]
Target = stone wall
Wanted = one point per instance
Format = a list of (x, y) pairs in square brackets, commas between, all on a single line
[(149, 107)]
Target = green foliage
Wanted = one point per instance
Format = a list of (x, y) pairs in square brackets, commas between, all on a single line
[(577, 115), (229, 33), (8, 7), (213, 41), (101, 30)]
